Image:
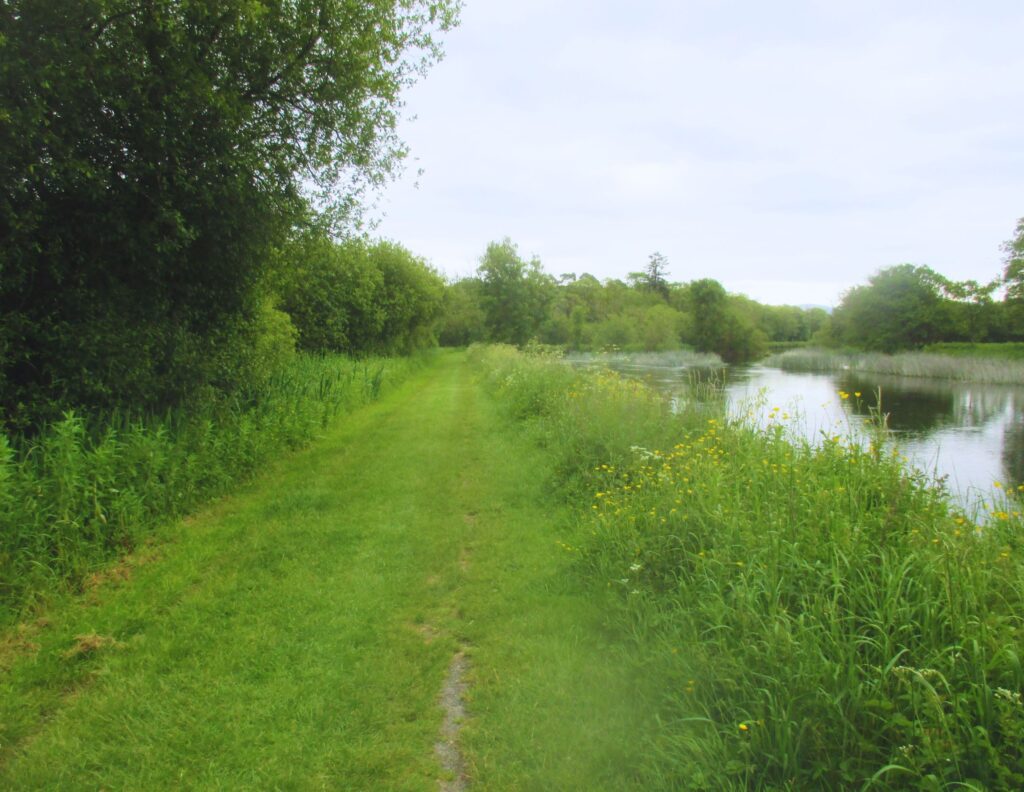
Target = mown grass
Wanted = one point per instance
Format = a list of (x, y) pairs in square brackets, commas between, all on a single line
[(944, 364), (815, 617), (79, 494), (296, 634)]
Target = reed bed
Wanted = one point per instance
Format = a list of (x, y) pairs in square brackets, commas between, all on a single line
[(905, 364), (674, 359), (82, 492), (819, 616)]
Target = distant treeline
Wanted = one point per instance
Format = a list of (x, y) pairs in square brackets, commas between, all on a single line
[(512, 300), (910, 307)]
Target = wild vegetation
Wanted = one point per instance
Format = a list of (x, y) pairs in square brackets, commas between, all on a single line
[(195, 140), (968, 363), (818, 617), (180, 209), (186, 291), (332, 596), (76, 495)]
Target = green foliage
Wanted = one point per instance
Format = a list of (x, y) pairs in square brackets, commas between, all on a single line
[(359, 298), (514, 294), (902, 307), (511, 300), (75, 495), (616, 332), (328, 291), (659, 329), (899, 308), (153, 154), (409, 299), (463, 321), (654, 277), (722, 324), (1006, 351), (1013, 266), (710, 311)]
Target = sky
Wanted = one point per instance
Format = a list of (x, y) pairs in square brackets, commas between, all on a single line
[(787, 149)]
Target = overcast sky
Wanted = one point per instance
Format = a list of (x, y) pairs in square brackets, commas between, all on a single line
[(789, 149)]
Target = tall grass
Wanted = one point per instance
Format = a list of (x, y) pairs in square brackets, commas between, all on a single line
[(905, 364), (79, 493), (676, 358), (820, 617)]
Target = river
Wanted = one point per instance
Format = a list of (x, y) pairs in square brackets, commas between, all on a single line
[(970, 436)]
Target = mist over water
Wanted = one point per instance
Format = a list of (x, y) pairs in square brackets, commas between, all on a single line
[(968, 436)]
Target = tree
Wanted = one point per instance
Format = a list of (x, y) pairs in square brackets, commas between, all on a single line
[(514, 293), (656, 274), (152, 154), (463, 321), (359, 298), (409, 299), (653, 278), (899, 308), (722, 324), (1013, 264), (1012, 312), (709, 303), (329, 290)]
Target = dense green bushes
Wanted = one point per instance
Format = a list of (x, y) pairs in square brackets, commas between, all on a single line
[(153, 156), (358, 297), (78, 494), (820, 617)]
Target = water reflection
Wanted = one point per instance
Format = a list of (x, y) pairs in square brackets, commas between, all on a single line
[(967, 435)]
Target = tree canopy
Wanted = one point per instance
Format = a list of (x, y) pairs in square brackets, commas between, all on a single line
[(514, 293), (153, 154)]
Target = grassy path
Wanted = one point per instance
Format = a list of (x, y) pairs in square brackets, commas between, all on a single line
[(298, 635)]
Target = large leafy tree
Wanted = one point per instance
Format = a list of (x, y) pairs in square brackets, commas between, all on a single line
[(901, 307), (514, 293), (153, 152)]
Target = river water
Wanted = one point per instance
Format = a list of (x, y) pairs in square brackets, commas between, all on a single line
[(968, 435)]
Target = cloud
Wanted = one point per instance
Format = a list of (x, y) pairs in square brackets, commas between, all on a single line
[(796, 142)]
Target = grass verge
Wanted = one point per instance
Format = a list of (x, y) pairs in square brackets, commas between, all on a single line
[(297, 634), (77, 495)]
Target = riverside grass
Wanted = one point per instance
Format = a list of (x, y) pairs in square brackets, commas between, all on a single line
[(297, 633), (968, 363), (77, 495), (815, 617)]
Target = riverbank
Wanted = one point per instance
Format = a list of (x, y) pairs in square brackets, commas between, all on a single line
[(568, 584), (300, 633), (816, 617)]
